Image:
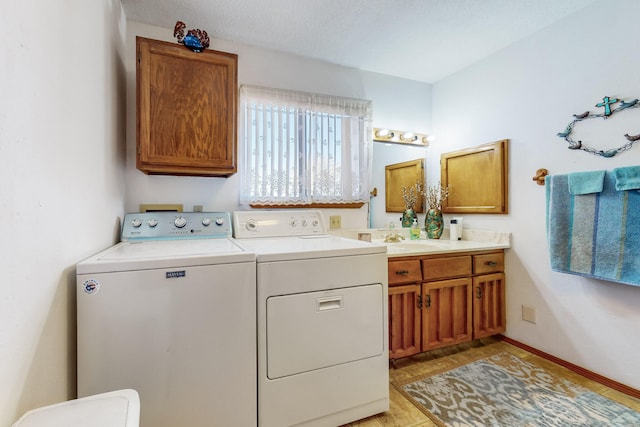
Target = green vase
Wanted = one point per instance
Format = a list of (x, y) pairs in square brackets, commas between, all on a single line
[(407, 218), (434, 223)]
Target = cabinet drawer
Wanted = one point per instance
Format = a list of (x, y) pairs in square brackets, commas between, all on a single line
[(404, 271), (488, 263), (440, 268)]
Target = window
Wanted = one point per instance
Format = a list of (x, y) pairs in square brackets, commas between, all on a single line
[(301, 148)]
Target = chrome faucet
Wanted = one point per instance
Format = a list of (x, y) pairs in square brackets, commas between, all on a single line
[(392, 236)]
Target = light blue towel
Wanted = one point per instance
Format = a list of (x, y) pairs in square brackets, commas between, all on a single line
[(627, 178), (586, 182), (594, 235)]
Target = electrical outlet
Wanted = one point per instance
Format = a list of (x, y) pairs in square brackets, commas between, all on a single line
[(528, 313), (335, 222)]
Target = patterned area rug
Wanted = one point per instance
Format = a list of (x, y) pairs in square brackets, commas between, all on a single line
[(504, 390)]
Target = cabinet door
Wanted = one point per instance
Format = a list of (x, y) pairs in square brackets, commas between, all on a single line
[(186, 110), (446, 313), (404, 321), (489, 314)]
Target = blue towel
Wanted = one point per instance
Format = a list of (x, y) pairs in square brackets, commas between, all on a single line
[(594, 235), (586, 182), (627, 178)]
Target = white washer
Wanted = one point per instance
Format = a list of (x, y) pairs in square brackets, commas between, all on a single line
[(322, 320), (170, 312)]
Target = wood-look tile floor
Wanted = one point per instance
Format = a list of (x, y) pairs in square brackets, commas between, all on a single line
[(402, 413)]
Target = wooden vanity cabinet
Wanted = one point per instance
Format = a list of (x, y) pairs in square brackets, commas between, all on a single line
[(446, 309), (489, 313), (404, 320), (446, 313), (441, 300), (186, 110), (405, 291)]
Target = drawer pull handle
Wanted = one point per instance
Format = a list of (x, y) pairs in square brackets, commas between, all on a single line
[(491, 263), (329, 303), (402, 272)]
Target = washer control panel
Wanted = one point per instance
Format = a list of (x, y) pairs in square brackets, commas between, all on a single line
[(249, 224), (175, 225)]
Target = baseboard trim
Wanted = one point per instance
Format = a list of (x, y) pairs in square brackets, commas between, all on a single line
[(575, 368)]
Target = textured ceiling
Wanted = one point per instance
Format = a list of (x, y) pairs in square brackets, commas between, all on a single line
[(423, 40)]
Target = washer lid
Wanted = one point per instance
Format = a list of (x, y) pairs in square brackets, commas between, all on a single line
[(308, 247), (126, 256)]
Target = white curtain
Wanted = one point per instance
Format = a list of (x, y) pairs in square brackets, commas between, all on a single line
[(302, 148)]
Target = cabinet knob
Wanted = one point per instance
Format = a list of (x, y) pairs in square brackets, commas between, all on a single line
[(402, 272), (491, 263)]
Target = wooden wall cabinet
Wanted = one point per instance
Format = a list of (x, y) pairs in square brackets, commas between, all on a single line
[(186, 110), (478, 178), (441, 300)]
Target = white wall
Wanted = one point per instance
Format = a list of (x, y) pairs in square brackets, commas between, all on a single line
[(397, 104), (62, 182), (527, 93)]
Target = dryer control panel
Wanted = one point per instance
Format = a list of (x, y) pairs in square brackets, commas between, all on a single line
[(250, 224), (175, 225)]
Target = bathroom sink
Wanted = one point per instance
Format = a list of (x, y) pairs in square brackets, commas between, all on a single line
[(406, 247)]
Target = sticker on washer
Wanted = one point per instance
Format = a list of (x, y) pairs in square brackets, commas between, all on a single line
[(175, 274), (91, 286)]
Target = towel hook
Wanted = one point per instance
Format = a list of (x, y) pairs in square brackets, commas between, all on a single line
[(540, 174)]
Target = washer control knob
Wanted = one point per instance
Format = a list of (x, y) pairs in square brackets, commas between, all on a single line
[(315, 223), (305, 222), (180, 222), (206, 221), (152, 222), (219, 221), (136, 222), (293, 222), (252, 225)]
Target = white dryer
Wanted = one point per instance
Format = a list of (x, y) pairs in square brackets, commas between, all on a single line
[(170, 312), (322, 320)]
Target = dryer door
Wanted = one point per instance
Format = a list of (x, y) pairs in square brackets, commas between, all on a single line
[(315, 330)]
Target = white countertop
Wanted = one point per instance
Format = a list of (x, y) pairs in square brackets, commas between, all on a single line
[(473, 240), (437, 246)]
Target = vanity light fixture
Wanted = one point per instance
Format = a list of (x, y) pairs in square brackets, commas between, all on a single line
[(384, 133), (400, 137), (409, 136)]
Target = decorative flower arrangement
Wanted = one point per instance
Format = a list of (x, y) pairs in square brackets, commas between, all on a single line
[(411, 195), (436, 194)]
